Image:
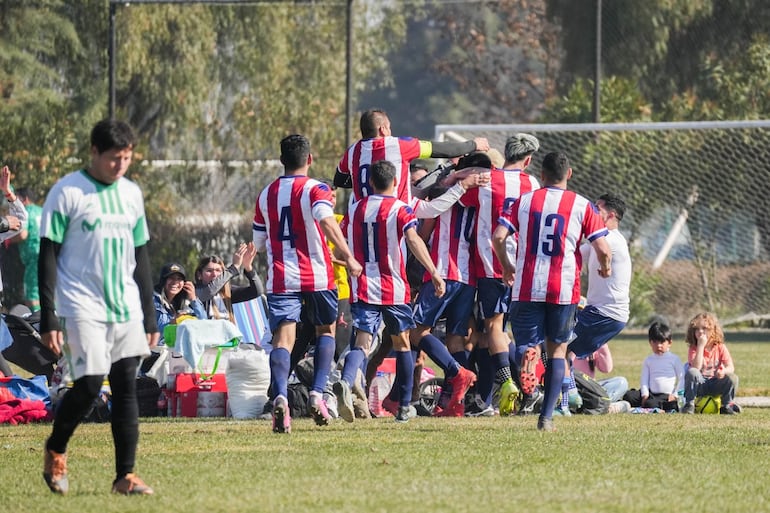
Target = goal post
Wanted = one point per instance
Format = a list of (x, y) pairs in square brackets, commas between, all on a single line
[(697, 196)]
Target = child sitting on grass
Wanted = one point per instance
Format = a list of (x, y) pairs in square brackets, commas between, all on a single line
[(661, 373), (711, 370)]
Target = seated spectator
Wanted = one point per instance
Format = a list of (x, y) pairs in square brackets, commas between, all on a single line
[(711, 370), (661, 373), (601, 360), (174, 296), (212, 282)]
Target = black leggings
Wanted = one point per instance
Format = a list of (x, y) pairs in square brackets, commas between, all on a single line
[(77, 402)]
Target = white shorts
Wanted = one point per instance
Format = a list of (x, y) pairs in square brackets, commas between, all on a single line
[(91, 347)]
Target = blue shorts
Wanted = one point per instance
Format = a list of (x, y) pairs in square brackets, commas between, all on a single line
[(531, 322), (456, 303), (592, 331), (320, 307), (494, 297), (368, 317)]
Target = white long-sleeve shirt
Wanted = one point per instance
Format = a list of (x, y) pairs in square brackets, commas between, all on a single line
[(661, 374)]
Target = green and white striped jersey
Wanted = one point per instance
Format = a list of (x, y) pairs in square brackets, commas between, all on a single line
[(98, 227)]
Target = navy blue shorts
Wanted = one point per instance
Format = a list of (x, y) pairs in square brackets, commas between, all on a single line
[(494, 297), (320, 307), (456, 303), (592, 331), (368, 317), (532, 323)]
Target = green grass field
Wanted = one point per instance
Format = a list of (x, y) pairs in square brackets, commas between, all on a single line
[(656, 462)]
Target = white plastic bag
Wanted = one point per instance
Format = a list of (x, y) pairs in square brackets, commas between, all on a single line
[(248, 378)]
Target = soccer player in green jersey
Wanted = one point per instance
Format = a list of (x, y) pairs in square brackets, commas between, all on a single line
[(96, 298)]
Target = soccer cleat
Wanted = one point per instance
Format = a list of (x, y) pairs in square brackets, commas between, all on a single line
[(476, 407), (344, 400), (688, 408), (55, 471), (508, 396), (561, 412), (527, 375), (405, 413), (546, 425), (459, 385), (452, 410), (531, 403), (281, 416), (130, 484), (318, 409), (390, 406), (735, 407)]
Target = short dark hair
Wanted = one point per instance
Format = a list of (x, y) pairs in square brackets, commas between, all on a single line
[(371, 121), (25, 193), (614, 203), (659, 331), (109, 134), (381, 174), (555, 166), (418, 164), (295, 149), (475, 159)]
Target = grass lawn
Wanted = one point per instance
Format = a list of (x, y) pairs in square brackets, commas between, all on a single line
[(609, 463)]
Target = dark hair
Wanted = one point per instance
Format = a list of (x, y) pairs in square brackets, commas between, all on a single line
[(371, 121), (295, 149), (110, 134), (659, 332), (382, 174), (25, 193), (614, 203), (475, 159), (555, 166)]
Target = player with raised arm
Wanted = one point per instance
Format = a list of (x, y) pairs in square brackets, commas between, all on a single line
[(378, 143), (506, 185)]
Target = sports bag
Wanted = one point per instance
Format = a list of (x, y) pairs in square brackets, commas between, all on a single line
[(595, 398)]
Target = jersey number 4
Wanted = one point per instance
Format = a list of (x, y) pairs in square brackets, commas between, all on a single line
[(287, 234)]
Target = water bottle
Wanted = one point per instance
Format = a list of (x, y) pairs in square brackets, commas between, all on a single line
[(680, 399), (378, 390)]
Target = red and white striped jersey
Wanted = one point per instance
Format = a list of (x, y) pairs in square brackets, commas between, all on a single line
[(451, 245), (400, 151), (375, 228), (505, 187), (551, 222), (286, 225)]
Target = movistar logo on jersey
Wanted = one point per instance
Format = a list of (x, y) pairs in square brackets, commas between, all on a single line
[(89, 227)]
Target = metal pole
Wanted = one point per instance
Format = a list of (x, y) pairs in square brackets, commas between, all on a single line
[(349, 73), (111, 58), (598, 64)]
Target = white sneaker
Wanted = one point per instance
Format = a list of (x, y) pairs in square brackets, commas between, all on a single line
[(331, 404), (620, 407)]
